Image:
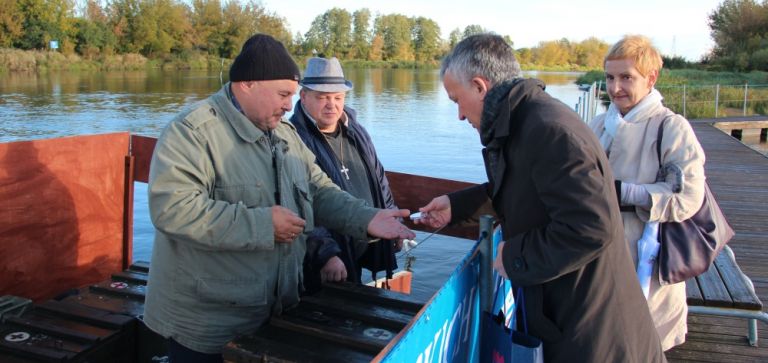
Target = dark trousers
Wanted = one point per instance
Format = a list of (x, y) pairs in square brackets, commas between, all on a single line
[(178, 353)]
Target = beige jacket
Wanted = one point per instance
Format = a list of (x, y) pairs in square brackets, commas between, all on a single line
[(634, 159)]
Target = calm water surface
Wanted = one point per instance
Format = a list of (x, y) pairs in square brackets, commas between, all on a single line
[(410, 118)]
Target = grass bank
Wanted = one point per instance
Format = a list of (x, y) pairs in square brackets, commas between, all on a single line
[(15, 60)]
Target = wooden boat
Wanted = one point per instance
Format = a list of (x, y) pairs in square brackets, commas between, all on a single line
[(71, 292), (66, 231)]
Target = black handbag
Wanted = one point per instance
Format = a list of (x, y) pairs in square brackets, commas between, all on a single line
[(689, 247)]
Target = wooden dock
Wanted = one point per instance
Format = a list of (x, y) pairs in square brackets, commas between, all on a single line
[(738, 176)]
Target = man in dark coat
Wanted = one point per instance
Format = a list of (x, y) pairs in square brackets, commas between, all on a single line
[(345, 152), (551, 187)]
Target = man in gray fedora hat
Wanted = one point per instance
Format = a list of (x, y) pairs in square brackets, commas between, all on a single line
[(344, 150), (233, 195)]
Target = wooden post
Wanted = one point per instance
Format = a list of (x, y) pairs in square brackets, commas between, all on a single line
[(746, 88), (717, 98), (750, 136)]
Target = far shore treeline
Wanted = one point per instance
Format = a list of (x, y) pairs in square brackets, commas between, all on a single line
[(207, 34)]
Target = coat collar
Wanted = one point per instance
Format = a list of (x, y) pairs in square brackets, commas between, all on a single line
[(500, 102), (498, 122), (304, 120)]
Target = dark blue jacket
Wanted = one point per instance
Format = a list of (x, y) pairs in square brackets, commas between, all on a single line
[(323, 244)]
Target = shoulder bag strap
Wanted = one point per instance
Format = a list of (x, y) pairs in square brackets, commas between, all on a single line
[(658, 140)]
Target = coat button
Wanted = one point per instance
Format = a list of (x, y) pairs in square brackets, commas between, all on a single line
[(517, 264)]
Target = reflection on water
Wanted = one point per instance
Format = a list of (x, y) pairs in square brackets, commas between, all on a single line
[(410, 118)]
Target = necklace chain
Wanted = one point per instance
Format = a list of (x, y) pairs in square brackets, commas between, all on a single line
[(344, 170)]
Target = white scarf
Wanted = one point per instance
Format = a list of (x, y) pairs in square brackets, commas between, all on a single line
[(642, 111)]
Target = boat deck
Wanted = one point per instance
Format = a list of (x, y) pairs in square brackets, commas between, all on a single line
[(738, 176)]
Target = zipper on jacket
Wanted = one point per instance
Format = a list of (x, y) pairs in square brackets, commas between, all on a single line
[(273, 148)]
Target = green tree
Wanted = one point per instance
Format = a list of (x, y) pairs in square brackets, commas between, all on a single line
[(395, 30), (472, 30), (331, 33), (509, 41), (361, 33), (297, 46), (426, 39), (46, 20), (207, 20), (123, 16), (454, 37), (162, 26), (268, 23), (93, 36), (740, 31), (11, 22), (235, 29)]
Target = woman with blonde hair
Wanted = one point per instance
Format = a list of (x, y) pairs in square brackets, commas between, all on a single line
[(629, 133)]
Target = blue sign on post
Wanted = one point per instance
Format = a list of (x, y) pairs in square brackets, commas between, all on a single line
[(54, 44)]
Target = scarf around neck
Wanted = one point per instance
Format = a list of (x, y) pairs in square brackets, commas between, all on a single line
[(647, 107)]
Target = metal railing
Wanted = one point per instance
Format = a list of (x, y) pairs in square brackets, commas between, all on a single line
[(589, 102), (691, 101)]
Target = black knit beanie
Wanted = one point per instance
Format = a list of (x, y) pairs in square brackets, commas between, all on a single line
[(263, 58)]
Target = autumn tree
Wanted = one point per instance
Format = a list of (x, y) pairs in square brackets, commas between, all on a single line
[(590, 53), (553, 53), (207, 19), (11, 22), (376, 52), (524, 56)]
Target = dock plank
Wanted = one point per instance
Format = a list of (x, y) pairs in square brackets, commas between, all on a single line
[(738, 176)]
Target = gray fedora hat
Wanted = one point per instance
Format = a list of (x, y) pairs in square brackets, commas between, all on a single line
[(325, 75)]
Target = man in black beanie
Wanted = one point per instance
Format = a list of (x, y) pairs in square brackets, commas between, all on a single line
[(233, 192)]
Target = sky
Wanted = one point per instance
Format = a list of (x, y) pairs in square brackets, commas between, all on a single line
[(676, 27)]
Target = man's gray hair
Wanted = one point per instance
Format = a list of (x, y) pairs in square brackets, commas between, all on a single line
[(484, 55)]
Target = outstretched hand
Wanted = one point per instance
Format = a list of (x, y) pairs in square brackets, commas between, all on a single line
[(385, 224), (437, 213)]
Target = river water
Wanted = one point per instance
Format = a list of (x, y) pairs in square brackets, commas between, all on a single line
[(408, 114)]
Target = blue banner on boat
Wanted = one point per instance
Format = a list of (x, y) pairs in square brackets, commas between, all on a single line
[(446, 329)]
